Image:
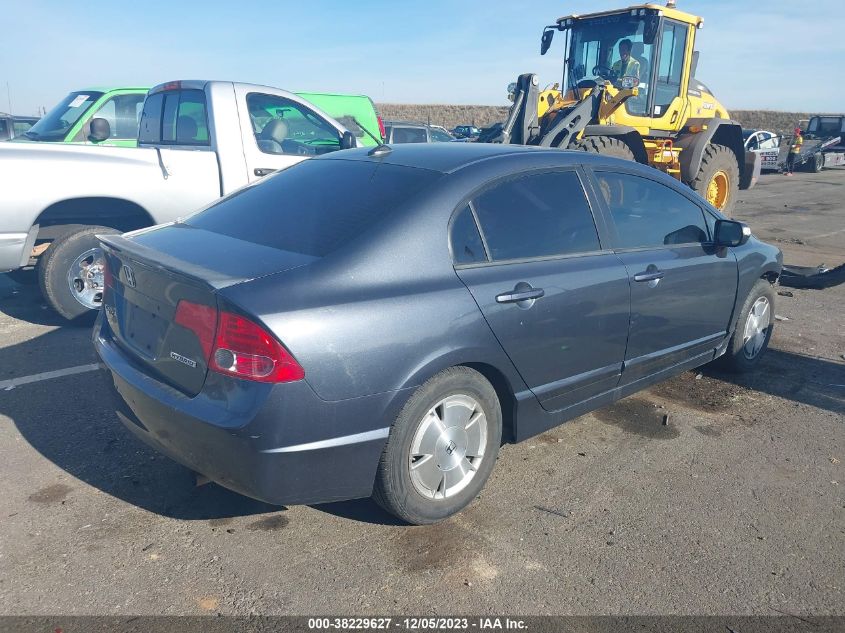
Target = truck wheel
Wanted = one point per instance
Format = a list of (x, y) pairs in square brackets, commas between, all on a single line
[(817, 164), (717, 180), (605, 145), (753, 329), (70, 272), (441, 448)]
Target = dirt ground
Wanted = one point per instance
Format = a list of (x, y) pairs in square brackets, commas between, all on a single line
[(735, 506)]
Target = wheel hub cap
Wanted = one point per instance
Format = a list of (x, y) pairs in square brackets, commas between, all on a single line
[(85, 278), (756, 328), (447, 447), (717, 190)]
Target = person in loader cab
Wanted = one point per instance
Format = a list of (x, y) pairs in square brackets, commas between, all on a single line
[(794, 152), (626, 66)]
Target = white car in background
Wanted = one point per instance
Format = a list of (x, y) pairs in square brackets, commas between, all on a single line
[(765, 143)]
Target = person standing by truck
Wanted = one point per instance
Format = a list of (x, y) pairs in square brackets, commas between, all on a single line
[(794, 152)]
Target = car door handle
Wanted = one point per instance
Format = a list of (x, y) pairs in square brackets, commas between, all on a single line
[(262, 171), (523, 295), (649, 276)]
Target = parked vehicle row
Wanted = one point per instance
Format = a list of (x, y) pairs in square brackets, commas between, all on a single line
[(397, 132), (328, 356)]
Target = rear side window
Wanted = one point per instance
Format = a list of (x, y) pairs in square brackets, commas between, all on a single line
[(150, 131), (647, 213), (175, 117), (539, 215), (409, 135), (316, 206), (467, 247)]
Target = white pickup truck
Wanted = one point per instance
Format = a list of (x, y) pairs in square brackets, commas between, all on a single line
[(198, 140)]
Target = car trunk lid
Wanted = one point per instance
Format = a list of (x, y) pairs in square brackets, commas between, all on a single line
[(150, 273)]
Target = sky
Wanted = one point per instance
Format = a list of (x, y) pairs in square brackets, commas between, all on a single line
[(755, 54)]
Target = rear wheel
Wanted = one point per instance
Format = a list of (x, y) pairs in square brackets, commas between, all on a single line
[(753, 329), (441, 449), (717, 180), (70, 272), (605, 145), (817, 164)]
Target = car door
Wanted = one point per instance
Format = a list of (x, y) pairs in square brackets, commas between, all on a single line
[(281, 131), (555, 299), (683, 289)]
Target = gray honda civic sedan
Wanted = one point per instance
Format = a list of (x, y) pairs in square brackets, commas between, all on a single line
[(377, 322)]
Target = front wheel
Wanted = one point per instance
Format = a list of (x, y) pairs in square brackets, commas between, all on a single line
[(70, 272), (441, 449), (753, 329), (717, 180)]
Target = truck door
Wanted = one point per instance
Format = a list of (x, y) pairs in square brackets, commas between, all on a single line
[(279, 131), (174, 124)]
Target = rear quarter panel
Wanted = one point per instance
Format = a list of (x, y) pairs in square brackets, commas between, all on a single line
[(381, 315)]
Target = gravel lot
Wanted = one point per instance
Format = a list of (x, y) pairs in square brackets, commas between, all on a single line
[(736, 506)]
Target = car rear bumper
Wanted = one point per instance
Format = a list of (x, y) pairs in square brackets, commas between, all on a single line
[(280, 444)]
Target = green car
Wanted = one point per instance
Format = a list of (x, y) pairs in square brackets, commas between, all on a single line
[(70, 120), (357, 113)]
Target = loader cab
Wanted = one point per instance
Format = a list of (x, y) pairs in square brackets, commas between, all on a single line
[(647, 47)]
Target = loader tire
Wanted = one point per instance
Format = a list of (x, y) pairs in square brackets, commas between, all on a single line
[(605, 145), (717, 180)]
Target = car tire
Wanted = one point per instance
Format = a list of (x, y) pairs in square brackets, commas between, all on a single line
[(753, 329), (72, 251), (426, 472), (717, 180), (606, 146)]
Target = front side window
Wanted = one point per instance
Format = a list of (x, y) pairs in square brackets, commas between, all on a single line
[(439, 136), (409, 135), (648, 214), (282, 126), (57, 123), (538, 215), (467, 247), (123, 113)]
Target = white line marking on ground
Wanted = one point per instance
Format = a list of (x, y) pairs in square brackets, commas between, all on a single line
[(8, 385)]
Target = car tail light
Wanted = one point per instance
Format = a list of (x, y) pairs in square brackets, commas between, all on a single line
[(236, 346), (381, 129)]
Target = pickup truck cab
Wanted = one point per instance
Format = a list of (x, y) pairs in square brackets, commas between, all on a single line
[(70, 120), (197, 141)]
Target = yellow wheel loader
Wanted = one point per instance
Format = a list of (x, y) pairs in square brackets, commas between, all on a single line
[(630, 91)]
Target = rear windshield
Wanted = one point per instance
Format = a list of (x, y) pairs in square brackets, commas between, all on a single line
[(314, 207)]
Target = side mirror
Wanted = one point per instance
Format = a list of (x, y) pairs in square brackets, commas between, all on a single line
[(100, 130), (546, 40), (347, 141), (731, 233)]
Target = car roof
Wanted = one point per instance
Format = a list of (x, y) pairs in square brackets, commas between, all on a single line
[(451, 157)]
